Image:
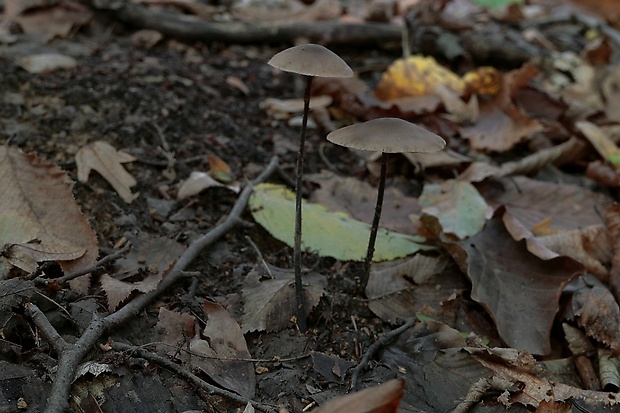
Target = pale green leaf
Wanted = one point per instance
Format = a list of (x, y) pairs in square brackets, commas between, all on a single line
[(329, 234), (458, 206)]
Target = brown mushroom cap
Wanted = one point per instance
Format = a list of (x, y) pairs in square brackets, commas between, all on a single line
[(311, 60), (390, 135)]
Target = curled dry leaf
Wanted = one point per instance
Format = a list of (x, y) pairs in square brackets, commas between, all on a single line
[(39, 219), (151, 257), (269, 303), (198, 182), (223, 352), (105, 159), (46, 62), (519, 290), (380, 399)]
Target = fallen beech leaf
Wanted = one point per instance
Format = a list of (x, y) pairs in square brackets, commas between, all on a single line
[(151, 257), (103, 158), (219, 354), (177, 327), (199, 181), (46, 62), (601, 142), (380, 399), (330, 234), (54, 21), (357, 198), (457, 205), (595, 309), (39, 219), (401, 290), (416, 76), (235, 82), (520, 291), (501, 123), (219, 169), (458, 110), (270, 303)]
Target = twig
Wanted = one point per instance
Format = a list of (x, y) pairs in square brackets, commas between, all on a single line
[(381, 342), (69, 360), (154, 358), (251, 360), (323, 32), (46, 328), (260, 256), (72, 275)]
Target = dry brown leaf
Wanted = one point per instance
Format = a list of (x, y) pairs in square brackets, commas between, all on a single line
[(39, 219), (103, 158), (561, 154), (219, 354), (46, 62), (416, 76), (603, 144), (55, 21), (357, 199), (177, 327), (380, 399), (501, 124), (269, 304), (199, 181), (151, 257)]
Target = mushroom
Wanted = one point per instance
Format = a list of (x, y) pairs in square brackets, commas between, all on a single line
[(385, 135), (310, 60)]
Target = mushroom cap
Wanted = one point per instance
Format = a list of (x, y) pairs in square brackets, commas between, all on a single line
[(389, 135), (311, 60)]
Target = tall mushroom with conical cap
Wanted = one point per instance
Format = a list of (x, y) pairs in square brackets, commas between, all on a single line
[(385, 135), (310, 60)]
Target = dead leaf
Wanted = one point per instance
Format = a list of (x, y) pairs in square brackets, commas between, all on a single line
[(237, 83), (402, 289), (220, 354), (103, 158), (46, 62), (270, 303), (501, 124), (380, 399), (177, 327), (151, 258), (520, 291), (219, 169), (416, 76), (601, 142), (595, 309), (357, 199), (55, 21), (199, 181), (39, 219)]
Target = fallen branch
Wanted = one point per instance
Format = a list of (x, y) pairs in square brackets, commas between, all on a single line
[(194, 28), (376, 346), (72, 356), (184, 373)]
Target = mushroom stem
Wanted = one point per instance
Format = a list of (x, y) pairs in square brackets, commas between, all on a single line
[(299, 289), (375, 223)]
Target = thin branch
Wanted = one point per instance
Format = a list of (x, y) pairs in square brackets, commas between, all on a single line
[(46, 328), (154, 358), (376, 346), (99, 264), (69, 360)]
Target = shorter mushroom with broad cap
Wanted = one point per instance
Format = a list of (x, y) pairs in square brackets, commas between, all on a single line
[(385, 135), (310, 60)]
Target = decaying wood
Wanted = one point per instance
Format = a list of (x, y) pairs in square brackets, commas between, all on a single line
[(193, 28)]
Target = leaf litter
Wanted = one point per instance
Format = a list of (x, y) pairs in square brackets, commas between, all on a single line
[(547, 256)]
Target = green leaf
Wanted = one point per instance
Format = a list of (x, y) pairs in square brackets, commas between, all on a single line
[(458, 206), (329, 234), (492, 4)]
